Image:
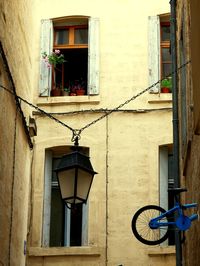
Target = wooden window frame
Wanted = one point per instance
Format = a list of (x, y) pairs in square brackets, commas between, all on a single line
[(71, 44), (163, 44)]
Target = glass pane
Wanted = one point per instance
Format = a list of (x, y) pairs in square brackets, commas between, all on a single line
[(166, 54), (76, 226), (167, 69), (66, 180), (62, 36), (56, 225), (165, 33), (81, 36)]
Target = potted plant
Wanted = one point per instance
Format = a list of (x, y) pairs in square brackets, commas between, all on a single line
[(166, 85), (80, 88), (52, 60), (66, 91)]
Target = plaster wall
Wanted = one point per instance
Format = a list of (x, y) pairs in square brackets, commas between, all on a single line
[(15, 159)]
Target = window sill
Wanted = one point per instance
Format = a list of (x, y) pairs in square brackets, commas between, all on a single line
[(68, 99), (161, 251), (64, 251), (160, 98)]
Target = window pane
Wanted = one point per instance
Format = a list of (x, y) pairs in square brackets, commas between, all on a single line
[(62, 36), (76, 225), (165, 33), (166, 54), (56, 226), (81, 36), (167, 69)]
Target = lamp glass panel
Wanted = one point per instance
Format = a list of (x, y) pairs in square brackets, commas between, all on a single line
[(66, 181), (84, 182)]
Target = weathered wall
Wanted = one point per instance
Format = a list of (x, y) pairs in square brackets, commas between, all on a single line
[(187, 12), (15, 156)]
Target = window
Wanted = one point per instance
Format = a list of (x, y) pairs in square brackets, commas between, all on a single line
[(160, 63), (166, 181), (61, 226), (77, 40)]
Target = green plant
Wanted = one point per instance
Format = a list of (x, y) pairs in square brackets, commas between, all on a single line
[(66, 89), (167, 83), (54, 58)]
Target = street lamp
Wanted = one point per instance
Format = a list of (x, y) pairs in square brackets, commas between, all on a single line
[(75, 175)]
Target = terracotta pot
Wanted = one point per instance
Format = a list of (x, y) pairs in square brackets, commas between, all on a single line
[(56, 92), (80, 92), (72, 94), (165, 90)]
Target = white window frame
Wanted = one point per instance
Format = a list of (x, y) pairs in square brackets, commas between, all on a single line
[(93, 57), (47, 209)]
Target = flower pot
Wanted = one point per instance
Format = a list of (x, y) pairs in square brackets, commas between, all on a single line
[(72, 94), (65, 93), (56, 92), (165, 90), (80, 92)]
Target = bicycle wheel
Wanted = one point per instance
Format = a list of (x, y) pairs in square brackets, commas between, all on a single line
[(142, 230)]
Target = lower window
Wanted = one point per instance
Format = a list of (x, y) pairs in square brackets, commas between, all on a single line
[(166, 181), (61, 226)]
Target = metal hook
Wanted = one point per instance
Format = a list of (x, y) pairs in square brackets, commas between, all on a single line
[(76, 135)]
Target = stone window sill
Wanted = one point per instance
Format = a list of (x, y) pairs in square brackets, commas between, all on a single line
[(64, 251), (161, 251), (93, 99), (160, 98)]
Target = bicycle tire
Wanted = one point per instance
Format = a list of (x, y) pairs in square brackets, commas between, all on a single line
[(142, 230)]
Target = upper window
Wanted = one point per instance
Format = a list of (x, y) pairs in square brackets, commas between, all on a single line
[(160, 63), (76, 38)]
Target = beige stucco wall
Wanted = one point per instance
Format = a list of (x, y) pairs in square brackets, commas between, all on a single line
[(123, 147), (15, 159)]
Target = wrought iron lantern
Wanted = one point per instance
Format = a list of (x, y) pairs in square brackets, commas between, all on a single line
[(75, 175)]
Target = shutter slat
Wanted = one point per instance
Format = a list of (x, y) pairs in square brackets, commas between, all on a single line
[(46, 46), (154, 52), (93, 57)]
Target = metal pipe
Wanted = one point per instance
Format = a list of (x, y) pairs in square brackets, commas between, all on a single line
[(176, 170)]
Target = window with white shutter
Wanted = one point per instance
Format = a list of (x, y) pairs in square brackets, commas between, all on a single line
[(159, 53), (76, 39)]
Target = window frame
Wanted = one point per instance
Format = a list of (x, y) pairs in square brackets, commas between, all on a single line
[(71, 44), (51, 153), (154, 50), (45, 77), (163, 44)]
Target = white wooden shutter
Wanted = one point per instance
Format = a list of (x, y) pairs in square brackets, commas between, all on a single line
[(93, 57), (47, 198), (45, 46), (84, 241), (154, 52)]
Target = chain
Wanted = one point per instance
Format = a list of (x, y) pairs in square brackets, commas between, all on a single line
[(77, 132), (132, 98)]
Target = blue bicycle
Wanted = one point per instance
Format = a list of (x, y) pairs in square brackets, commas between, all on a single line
[(151, 223)]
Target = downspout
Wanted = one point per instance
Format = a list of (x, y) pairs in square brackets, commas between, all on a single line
[(175, 121)]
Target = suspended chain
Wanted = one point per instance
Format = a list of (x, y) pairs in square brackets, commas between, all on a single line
[(131, 99), (77, 132)]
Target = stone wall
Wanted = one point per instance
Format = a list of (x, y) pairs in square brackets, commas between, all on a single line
[(187, 13)]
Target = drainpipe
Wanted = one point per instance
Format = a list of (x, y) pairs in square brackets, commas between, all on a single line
[(175, 121)]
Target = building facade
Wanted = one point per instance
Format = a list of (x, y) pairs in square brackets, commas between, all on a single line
[(188, 40), (113, 56)]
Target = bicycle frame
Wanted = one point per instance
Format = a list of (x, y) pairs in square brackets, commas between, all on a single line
[(182, 221)]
